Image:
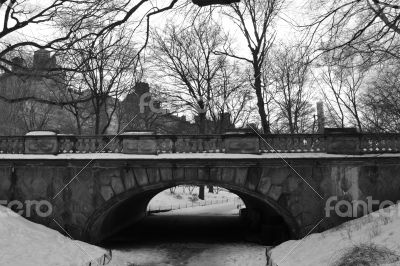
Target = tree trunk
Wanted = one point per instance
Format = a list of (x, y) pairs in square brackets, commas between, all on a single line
[(97, 120), (202, 130), (201, 192), (260, 100), (78, 124), (202, 121)]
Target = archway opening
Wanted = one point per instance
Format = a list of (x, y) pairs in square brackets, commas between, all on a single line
[(173, 213)]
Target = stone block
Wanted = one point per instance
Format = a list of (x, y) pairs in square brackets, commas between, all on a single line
[(79, 219), (253, 178), (117, 185), (141, 176), (292, 183), (241, 143), (216, 174), (33, 183), (129, 179), (191, 173), (264, 185), (179, 173), (278, 175), (153, 175), (342, 141), (139, 143), (296, 209), (203, 174), (106, 192), (105, 175), (228, 174), (275, 192), (5, 182), (166, 174), (241, 175), (41, 143)]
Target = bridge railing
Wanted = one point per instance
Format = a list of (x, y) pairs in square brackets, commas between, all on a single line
[(292, 143), (12, 144), (162, 143), (226, 143), (380, 143)]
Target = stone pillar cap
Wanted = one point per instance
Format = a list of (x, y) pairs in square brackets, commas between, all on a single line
[(138, 133), (41, 133)]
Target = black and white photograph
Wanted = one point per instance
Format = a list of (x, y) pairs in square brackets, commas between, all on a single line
[(199, 133)]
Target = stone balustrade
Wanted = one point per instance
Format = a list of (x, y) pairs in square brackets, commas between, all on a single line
[(333, 141)]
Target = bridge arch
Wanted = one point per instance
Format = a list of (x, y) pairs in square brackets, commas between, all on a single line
[(128, 207)]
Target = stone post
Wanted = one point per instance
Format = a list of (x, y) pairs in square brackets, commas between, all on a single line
[(137, 142), (41, 142), (241, 142), (342, 141)]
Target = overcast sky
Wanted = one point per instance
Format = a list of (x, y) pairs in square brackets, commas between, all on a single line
[(295, 11)]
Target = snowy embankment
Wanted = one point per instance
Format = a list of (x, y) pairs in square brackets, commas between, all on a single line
[(25, 243), (371, 240)]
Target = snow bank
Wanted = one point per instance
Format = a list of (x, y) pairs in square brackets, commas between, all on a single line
[(380, 228), (25, 243)]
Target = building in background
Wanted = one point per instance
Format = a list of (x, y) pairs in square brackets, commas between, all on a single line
[(40, 80)]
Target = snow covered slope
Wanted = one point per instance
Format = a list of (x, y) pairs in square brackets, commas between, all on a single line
[(23, 243), (377, 232)]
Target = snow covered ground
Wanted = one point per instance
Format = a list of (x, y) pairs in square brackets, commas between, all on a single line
[(23, 243), (215, 209), (192, 254), (380, 229), (180, 198)]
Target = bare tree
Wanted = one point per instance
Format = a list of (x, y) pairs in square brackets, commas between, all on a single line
[(186, 57), (381, 101), (369, 27), (230, 104), (345, 79), (109, 70), (255, 20), (289, 72), (70, 22)]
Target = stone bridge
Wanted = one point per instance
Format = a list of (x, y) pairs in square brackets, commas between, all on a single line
[(99, 185)]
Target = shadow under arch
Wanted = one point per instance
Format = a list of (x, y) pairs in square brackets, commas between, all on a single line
[(127, 208)]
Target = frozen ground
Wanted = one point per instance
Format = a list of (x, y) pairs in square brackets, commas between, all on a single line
[(380, 229), (192, 254), (23, 243), (166, 200)]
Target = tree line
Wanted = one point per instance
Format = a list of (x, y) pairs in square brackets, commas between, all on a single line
[(345, 55)]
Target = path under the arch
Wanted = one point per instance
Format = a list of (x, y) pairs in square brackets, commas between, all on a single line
[(188, 237)]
